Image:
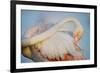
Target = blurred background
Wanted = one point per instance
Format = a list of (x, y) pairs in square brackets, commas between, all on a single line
[(32, 18)]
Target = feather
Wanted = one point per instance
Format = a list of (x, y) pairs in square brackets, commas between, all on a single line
[(55, 43)]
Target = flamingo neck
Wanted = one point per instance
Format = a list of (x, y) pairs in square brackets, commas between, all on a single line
[(47, 34)]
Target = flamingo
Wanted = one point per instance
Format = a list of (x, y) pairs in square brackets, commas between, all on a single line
[(55, 44)]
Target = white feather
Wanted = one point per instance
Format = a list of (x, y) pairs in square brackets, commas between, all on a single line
[(54, 43), (59, 44)]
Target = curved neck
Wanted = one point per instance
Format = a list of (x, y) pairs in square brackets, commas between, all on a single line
[(50, 32)]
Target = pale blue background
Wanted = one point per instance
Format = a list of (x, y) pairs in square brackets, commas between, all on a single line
[(30, 18)]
